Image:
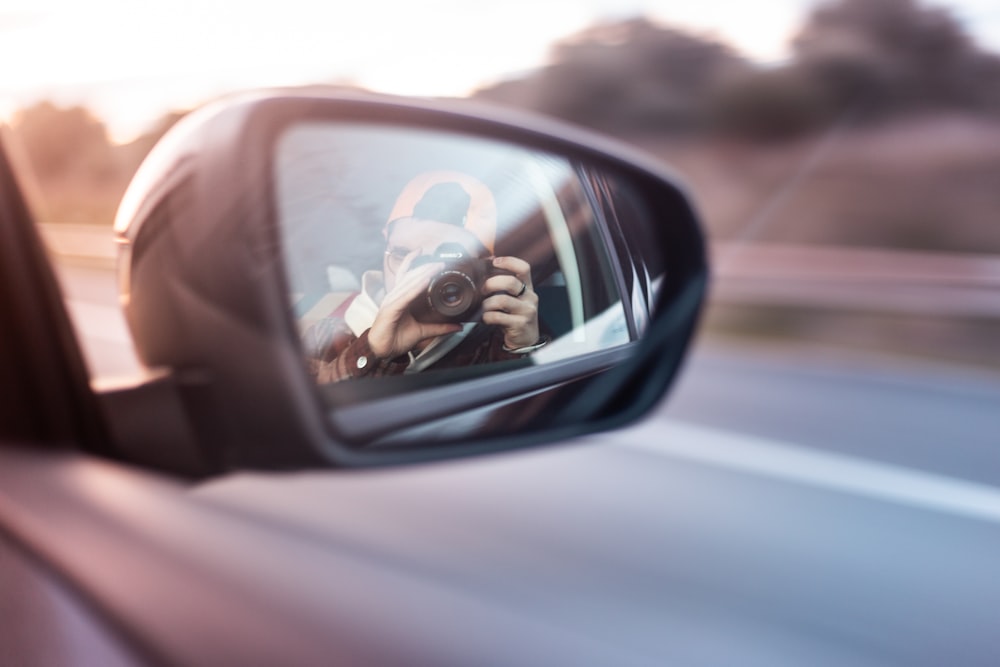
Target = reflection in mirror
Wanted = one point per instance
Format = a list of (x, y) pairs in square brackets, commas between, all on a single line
[(412, 251)]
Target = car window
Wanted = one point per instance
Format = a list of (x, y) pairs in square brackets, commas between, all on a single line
[(362, 207)]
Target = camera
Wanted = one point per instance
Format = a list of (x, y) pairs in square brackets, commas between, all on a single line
[(455, 293)]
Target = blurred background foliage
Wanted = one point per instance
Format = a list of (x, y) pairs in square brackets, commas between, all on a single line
[(885, 58), (902, 103), (79, 174), (912, 103)]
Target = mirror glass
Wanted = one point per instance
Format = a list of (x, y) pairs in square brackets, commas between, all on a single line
[(413, 251)]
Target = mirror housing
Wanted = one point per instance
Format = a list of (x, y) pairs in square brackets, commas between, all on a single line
[(205, 292)]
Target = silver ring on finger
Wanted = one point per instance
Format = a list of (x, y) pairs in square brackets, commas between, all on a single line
[(524, 287)]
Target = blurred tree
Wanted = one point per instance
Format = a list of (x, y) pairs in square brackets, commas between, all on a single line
[(76, 169), (80, 174), (626, 76), (60, 141), (895, 55), (769, 104), (876, 57), (132, 154)]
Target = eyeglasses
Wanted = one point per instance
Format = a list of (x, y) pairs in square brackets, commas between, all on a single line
[(394, 258)]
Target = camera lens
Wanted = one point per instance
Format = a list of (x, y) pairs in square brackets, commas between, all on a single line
[(451, 294)]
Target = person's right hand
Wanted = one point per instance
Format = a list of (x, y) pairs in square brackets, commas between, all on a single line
[(395, 331)]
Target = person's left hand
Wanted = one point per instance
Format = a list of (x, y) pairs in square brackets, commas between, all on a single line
[(511, 302)]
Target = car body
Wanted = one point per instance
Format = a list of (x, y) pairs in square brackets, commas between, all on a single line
[(645, 544)]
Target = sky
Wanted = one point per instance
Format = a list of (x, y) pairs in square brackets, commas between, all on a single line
[(132, 62)]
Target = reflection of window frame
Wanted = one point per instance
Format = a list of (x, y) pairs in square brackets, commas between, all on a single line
[(612, 249), (364, 413), (562, 246), (584, 250), (635, 276)]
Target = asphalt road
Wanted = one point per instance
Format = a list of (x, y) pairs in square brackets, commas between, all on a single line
[(931, 417)]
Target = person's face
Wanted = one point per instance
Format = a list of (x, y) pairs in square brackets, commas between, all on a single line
[(421, 237)]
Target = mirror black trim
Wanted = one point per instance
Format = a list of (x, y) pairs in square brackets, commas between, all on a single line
[(373, 419)]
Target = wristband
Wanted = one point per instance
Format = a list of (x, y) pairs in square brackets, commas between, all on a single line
[(542, 341)]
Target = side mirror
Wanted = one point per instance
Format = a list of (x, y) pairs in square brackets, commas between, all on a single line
[(268, 239)]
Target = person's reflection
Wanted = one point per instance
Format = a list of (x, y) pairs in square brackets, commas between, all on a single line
[(379, 333)]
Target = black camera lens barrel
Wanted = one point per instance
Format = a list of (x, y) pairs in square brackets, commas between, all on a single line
[(453, 293)]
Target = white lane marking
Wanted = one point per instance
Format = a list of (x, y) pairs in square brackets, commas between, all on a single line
[(878, 480)]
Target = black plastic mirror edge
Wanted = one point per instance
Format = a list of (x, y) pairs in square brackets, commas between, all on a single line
[(308, 438)]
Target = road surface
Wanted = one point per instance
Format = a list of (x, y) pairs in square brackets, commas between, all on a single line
[(929, 416)]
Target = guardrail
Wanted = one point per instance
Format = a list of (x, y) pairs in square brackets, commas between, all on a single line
[(766, 274), (947, 284), (74, 241)]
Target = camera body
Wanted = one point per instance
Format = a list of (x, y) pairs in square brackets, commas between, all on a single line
[(455, 293)]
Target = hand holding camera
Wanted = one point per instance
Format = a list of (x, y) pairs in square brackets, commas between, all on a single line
[(512, 303), (437, 292), (455, 293), (467, 289), (395, 331)]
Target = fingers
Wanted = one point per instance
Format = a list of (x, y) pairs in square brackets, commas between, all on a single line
[(515, 266), (519, 330), (404, 266), (512, 305), (506, 284), (511, 302), (410, 283), (515, 276), (509, 321), (394, 330), (515, 279), (527, 304), (434, 330)]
